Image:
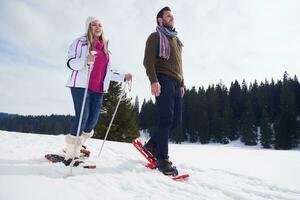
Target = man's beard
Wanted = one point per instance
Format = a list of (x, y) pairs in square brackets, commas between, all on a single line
[(168, 26)]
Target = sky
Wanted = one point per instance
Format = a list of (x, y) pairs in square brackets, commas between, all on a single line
[(224, 40)]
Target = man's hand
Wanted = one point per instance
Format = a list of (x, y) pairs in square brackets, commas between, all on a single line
[(182, 91), (155, 89)]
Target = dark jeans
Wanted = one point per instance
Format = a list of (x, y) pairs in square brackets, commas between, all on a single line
[(169, 110), (91, 112)]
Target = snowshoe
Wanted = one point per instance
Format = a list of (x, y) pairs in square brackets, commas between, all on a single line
[(55, 158), (165, 166), (150, 148)]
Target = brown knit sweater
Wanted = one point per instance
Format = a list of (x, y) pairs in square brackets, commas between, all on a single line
[(154, 64)]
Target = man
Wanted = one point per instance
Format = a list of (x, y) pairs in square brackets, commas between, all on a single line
[(163, 65)]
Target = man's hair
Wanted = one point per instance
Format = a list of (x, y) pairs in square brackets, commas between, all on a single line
[(161, 13)]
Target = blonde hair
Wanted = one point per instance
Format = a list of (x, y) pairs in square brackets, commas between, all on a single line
[(91, 40)]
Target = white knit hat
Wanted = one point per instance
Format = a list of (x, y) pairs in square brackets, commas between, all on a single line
[(89, 20)]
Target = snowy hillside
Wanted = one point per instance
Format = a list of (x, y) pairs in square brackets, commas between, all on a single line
[(217, 172)]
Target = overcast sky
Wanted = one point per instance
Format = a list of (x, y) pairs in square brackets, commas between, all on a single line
[(224, 40)]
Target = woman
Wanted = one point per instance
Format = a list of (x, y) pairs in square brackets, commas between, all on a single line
[(79, 55)]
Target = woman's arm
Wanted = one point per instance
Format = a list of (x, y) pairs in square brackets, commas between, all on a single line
[(75, 59)]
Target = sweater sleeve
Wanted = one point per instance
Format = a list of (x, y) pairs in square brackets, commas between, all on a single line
[(150, 57), (74, 59)]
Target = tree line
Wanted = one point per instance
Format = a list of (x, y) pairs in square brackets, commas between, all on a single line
[(267, 113), (124, 127), (42, 124)]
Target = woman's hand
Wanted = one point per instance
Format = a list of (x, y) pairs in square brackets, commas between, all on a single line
[(128, 77), (91, 59)]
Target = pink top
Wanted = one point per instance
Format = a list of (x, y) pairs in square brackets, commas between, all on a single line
[(99, 69)]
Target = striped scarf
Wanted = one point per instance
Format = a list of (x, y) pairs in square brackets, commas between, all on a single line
[(164, 44)]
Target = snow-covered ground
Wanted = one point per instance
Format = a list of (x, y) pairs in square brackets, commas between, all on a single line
[(218, 172)]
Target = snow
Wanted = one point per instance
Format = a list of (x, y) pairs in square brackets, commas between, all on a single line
[(218, 172)]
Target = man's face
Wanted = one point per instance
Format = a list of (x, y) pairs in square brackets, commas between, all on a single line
[(168, 19)]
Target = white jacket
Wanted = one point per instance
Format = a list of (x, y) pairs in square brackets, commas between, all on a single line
[(77, 62)]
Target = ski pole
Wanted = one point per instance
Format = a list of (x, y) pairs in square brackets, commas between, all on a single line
[(112, 119), (76, 146)]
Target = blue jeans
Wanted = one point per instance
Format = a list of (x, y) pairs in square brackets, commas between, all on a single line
[(169, 110), (91, 112)]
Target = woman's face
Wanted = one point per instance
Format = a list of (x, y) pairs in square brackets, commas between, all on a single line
[(96, 28)]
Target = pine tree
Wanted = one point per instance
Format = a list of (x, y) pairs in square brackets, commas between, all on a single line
[(213, 114), (296, 91), (275, 99), (242, 107), (286, 129), (228, 133), (181, 132), (202, 125), (253, 92), (191, 123), (186, 118), (225, 115), (298, 131), (178, 135), (125, 126), (266, 133), (235, 97), (264, 98), (248, 129), (148, 117)]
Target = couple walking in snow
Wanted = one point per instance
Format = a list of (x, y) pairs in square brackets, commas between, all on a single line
[(163, 65)]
